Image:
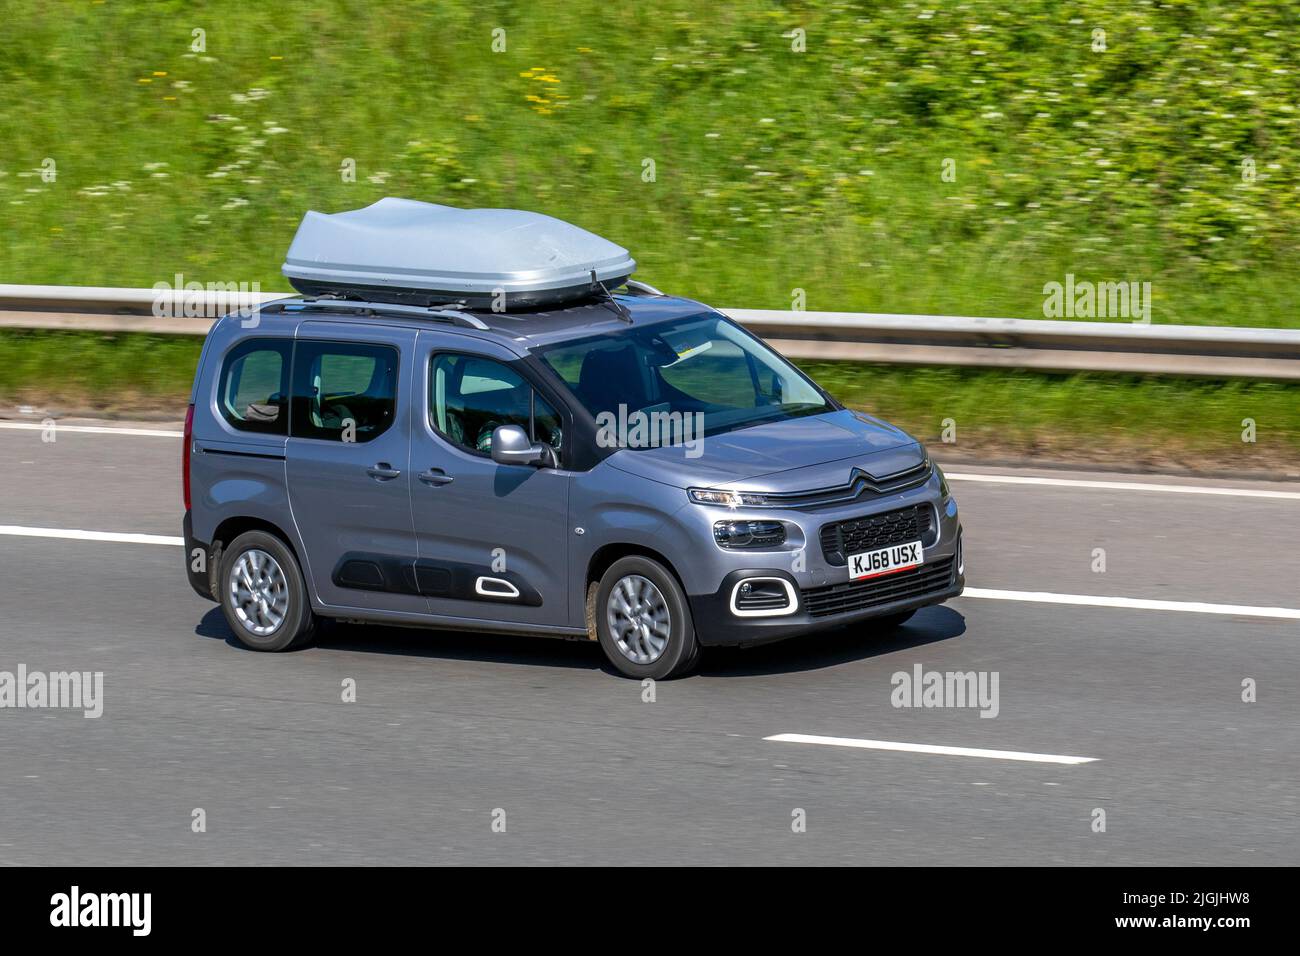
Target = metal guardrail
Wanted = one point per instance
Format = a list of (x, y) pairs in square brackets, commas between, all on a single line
[(1039, 344)]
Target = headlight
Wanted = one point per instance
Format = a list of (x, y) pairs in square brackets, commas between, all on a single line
[(930, 463), (738, 535), (728, 499)]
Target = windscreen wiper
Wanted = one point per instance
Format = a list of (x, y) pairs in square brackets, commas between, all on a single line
[(620, 309)]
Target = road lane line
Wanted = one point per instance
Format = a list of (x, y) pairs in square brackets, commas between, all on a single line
[(94, 429), (78, 535), (928, 749), (1140, 604), (1123, 485), (1028, 597), (952, 476)]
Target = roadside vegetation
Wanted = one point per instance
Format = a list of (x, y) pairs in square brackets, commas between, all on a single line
[(1119, 421), (1161, 149), (883, 157)]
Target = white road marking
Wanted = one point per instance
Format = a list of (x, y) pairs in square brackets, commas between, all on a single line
[(1029, 597), (78, 535), (952, 476), (928, 749), (1140, 604), (94, 429), (1124, 485)]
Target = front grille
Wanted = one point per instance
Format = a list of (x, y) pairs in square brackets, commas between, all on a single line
[(859, 595), (843, 538)]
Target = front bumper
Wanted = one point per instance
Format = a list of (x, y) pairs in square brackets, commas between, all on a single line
[(826, 597), (716, 624), (824, 608)]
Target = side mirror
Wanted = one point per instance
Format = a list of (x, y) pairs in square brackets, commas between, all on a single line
[(511, 446)]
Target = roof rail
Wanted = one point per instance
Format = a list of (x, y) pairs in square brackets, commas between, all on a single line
[(327, 303), (464, 319), (641, 288)]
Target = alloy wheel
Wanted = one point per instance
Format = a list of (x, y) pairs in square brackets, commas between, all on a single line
[(639, 620), (259, 592)]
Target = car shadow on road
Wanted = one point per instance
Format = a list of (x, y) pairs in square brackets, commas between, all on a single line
[(213, 624), (813, 652), (831, 648), (433, 643)]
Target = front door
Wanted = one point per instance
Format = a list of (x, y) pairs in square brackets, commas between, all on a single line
[(493, 539)]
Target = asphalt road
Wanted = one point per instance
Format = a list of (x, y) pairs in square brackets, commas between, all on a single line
[(448, 728)]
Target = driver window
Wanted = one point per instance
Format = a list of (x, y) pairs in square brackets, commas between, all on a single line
[(471, 396)]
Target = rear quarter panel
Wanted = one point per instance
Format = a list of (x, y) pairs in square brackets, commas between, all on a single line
[(233, 473)]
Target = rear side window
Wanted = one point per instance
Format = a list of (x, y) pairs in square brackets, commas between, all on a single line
[(343, 392), (255, 386)]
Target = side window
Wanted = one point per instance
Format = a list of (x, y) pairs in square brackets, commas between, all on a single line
[(471, 396), (343, 391), (547, 426), (254, 386)]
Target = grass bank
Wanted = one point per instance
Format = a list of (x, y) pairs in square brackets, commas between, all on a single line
[(949, 159)]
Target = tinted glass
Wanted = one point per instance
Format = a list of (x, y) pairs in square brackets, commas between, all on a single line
[(342, 391), (254, 385), (705, 366), (471, 396)]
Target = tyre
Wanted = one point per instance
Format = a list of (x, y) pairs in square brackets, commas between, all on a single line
[(263, 594), (891, 621), (643, 620)]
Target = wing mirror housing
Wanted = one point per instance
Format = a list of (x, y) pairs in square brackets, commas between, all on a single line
[(512, 446)]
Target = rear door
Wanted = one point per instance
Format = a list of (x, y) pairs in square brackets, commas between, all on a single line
[(493, 539), (348, 463)]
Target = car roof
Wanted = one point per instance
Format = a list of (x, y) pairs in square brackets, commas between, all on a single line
[(576, 321), (526, 329)]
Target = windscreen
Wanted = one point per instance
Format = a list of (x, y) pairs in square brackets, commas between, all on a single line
[(705, 368)]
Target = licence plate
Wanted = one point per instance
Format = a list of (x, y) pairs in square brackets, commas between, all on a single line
[(896, 557)]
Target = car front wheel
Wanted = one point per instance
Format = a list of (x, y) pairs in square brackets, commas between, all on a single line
[(643, 620)]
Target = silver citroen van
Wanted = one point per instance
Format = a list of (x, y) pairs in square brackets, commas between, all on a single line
[(475, 419)]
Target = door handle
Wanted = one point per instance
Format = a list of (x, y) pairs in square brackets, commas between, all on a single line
[(435, 476), (382, 471)]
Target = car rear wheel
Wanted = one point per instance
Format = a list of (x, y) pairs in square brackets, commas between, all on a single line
[(643, 620), (263, 594)]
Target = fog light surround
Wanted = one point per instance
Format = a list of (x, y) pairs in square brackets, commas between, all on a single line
[(763, 593)]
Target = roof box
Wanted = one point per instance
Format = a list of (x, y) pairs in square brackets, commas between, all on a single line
[(400, 250)]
